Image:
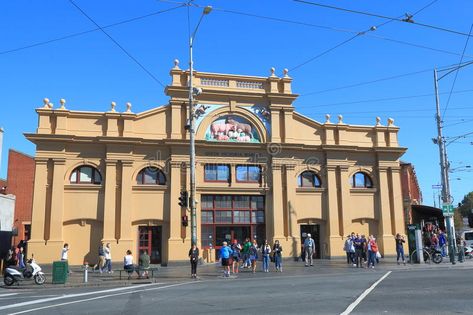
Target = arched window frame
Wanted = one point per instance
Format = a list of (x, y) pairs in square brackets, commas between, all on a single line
[(361, 180), (315, 180), (160, 179), (80, 176)]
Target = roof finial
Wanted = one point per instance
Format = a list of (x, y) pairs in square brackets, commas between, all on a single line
[(112, 107), (128, 107), (46, 102), (63, 103), (272, 71), (340, 119), (378, 121), (176, 64), (390, 122), (285, 72), (327, 119)]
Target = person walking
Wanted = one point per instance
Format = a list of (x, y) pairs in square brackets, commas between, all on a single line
[(400, 248), (236, 256), (194, 259), (65, 255), (253, 252), (364, 246), (277, 254), (309, 250), (21, 258), (225, 253), (265, 251), (358, 244), (101, 263), (372, 250), (108, 258)]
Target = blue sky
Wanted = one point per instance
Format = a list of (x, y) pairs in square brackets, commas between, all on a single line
[(90, 71)]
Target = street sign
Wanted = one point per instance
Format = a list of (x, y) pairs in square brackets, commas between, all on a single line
[(437, 186), (447, 210)]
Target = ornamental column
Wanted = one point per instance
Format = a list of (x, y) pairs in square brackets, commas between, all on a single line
[(385, 232), (293, 226), (126, 240), (277, 213), (57, 202)]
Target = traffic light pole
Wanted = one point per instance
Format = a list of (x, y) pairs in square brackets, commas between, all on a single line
[(446, 197), (192, 148)]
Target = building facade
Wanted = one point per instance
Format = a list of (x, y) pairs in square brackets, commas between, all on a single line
[(262, 171)]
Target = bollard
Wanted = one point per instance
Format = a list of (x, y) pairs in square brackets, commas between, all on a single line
[(86, 272)]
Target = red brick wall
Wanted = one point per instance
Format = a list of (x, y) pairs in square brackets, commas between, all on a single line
[(409, 183), (20, 180)]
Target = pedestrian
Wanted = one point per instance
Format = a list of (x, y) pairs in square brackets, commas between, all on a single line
[(246, 253), (101, 263), (21, 258), (277, 250), (349, 249), (442, 243), (265, 251), (143, 264), (372, 250), (309, 250), (194, 258), (358, 244), (434, 241), (236, 248), (128, 263), (108, 258), (461, 249), (225, 253), (364, 247), (65, 252), (400, 248), (10, 258), (253, 252)]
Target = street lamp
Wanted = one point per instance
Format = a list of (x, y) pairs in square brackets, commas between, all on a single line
[(206, 11)]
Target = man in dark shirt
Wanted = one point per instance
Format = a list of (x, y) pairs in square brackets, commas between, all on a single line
[(358, 243)]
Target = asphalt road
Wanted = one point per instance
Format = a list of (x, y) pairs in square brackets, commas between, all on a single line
[(318, 290)]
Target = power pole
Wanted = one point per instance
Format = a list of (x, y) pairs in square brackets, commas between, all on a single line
[(444, 165)]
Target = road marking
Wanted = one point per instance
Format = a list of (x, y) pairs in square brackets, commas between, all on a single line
[(67, 296), (352, 306), (7, 294), (102, 297)]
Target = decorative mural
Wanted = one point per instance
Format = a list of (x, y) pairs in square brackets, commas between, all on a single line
[(231, 128)]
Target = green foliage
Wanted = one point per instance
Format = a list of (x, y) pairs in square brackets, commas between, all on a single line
[(457, 220), (466, 205)]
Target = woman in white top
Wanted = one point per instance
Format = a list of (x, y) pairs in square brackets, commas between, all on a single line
[(64, 251), (108, 258), (128, 263)]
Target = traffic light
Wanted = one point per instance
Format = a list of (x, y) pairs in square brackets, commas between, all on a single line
[(185, 221), (183, 199)]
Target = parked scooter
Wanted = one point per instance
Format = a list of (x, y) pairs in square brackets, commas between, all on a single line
[(31, 272)]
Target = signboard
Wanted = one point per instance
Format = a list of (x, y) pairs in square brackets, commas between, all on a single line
[(437, 186), (447, 210)]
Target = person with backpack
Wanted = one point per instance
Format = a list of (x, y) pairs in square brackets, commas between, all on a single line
[(277, 250), (236, 248), (309, 250), (265, 251)]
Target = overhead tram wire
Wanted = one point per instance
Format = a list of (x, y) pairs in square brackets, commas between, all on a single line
[(118, 44), (373, 81), (456, 73), (137, 18), (275, 19), (406, 20), (372, 28)]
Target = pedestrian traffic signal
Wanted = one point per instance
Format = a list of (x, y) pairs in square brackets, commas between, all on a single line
[(185, 221), (183, 199)]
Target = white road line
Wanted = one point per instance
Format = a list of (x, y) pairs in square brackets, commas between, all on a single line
[(7, 294), (68, 296), (352, 306), (101, 297)]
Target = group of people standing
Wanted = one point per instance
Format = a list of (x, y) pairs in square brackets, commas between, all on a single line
[(361, 250)]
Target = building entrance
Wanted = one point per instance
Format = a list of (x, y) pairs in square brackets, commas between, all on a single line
[(230, 233), (314, 231), (150, 239)]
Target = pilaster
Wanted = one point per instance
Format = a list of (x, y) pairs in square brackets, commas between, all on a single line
[(109, 210), (277, 211), (385, 233), (126, 204), (57, 200), (39, 201), (293, 226)]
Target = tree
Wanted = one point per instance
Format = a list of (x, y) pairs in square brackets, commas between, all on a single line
[(466, 206)]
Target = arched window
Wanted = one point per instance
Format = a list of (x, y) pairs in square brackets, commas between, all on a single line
[(361, 180), (151, 176), (308, 179), (85, 174)]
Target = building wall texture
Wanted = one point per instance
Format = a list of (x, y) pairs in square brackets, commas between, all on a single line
[(241, 120)]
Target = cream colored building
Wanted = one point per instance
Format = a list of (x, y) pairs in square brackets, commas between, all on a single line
[(263, 170)]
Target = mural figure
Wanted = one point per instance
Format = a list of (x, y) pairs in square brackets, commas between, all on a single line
[(232, 129)]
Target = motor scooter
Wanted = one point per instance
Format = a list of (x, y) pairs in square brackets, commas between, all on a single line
[(31, 272)]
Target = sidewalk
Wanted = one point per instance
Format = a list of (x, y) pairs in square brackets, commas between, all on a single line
[(213, 271)]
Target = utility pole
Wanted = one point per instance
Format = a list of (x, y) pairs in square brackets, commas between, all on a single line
[(444, 165)]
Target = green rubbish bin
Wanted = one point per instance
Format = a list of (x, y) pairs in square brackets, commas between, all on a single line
[(60, 272)]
